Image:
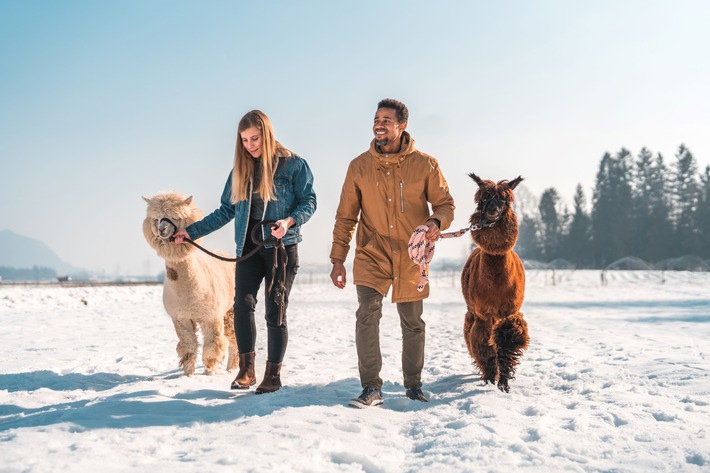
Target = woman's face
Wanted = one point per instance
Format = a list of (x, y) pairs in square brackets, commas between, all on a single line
[(252, 142)]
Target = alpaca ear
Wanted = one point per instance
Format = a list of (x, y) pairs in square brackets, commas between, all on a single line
[(146, 199), (476, 178), (188, 201), (514, 183)]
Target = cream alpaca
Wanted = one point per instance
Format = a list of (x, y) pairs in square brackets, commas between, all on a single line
[(198, 290)]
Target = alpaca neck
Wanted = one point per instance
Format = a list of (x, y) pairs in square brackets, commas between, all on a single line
[(495, 242), (499, 239), (494, 258)]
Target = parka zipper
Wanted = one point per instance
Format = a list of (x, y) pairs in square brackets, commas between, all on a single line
[(401, 194)]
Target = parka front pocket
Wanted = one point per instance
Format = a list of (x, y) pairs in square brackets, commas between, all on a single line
[(374, 254)]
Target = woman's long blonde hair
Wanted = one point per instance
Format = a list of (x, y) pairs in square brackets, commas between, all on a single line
[(271, 151)]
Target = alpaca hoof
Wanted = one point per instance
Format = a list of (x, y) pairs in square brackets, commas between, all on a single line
[(487, 380), (211, 366), (503, 386), (188, 369)]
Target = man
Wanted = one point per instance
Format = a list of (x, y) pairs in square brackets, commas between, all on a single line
[(386, 194)]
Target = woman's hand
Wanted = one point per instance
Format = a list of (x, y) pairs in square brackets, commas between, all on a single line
[(180, 236), (280, 227)]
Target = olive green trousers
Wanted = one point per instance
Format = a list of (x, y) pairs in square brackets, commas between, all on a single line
[(367, 338)]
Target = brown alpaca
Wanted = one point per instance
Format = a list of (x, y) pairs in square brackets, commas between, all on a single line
[(493, 284)]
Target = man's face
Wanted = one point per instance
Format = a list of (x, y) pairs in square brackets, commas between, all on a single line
[(386, 127)]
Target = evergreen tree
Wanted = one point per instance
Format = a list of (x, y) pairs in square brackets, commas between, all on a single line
[(550, 224), (602, 209), (528, 246), (686, 198), (703, 217), (577, 242), (525, 207), (660, 232), (652, 226), (611, 210), (640, 205)]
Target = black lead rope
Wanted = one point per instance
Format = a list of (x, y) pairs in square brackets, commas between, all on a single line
[(279, 250)]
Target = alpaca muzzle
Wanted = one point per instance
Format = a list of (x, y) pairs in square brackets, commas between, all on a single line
[(166, 229), (492, 210)]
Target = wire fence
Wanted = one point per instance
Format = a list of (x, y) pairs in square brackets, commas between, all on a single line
[(452, 278), (553, 277)]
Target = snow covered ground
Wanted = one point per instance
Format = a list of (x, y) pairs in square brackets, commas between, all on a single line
[(616, 380)]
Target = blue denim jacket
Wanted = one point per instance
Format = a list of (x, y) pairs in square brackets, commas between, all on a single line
[(295, 198)]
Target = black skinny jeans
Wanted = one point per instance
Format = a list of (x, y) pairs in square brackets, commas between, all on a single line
[(249, 275)]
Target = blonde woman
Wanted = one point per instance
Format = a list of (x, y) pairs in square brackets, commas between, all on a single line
[(268, 183)]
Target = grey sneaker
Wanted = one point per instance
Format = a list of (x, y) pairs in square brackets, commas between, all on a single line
[(416, 394), (370, 396)]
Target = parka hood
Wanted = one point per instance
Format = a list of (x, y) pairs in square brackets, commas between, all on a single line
[(406, 149)]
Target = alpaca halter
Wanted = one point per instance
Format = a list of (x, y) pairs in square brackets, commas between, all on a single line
[(496, 199), (166, 229)]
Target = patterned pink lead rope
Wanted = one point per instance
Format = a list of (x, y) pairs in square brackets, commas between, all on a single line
[(421, 250)]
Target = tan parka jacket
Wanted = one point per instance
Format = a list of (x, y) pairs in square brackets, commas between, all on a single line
[(387, 196)]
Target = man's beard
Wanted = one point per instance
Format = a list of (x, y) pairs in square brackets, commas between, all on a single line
[(381, 142)]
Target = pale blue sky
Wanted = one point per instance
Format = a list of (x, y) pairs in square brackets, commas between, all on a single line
[(102, 102)]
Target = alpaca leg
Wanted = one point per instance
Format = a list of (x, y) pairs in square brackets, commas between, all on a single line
[(187, 346), (511, 339), (233, 351), (478, 339), (467, 326), (215, 344)]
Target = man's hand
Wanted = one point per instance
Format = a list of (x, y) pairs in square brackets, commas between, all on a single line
[(433, 233), (337, 274)]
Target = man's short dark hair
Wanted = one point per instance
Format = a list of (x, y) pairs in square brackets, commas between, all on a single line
[(396, 105)]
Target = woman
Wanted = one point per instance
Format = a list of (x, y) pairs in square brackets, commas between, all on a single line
[(271, 184)]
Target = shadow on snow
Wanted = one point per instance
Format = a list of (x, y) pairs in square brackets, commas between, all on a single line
[(147, 408)]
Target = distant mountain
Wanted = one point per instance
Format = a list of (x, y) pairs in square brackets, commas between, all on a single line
[(17, 251)]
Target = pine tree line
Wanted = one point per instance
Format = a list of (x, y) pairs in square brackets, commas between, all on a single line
[(641, 207)]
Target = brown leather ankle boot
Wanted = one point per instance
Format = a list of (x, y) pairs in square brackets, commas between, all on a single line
[(272, 379), (246, 376)]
